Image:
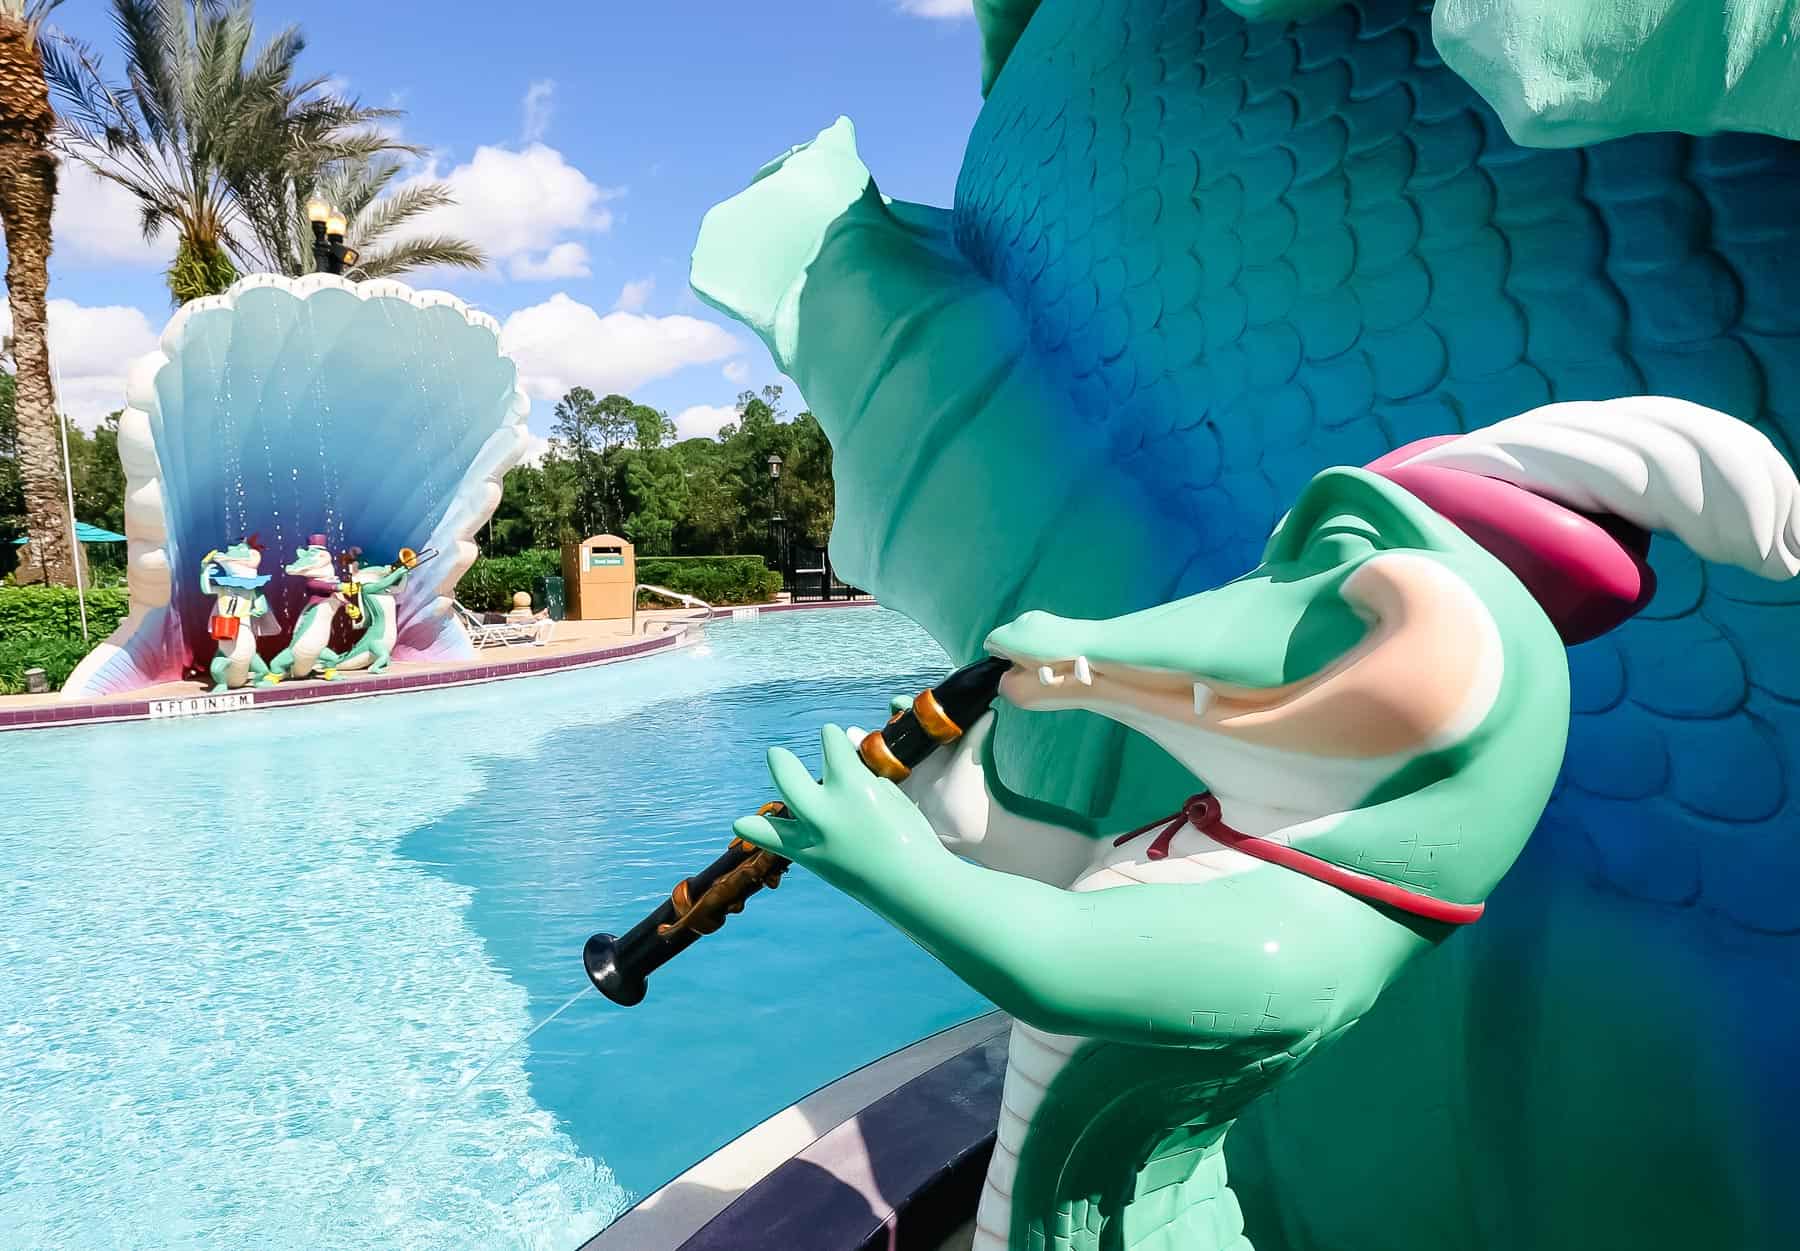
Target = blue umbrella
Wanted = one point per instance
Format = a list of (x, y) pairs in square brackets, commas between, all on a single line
[(87, 534)]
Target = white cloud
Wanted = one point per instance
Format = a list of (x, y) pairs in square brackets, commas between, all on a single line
[(536, 448), (95, 223), (564, 343), (520, 205), (634, 295), (90, 351), (952, 9), (736, 372), (565, 260), (703, 420), (539, 104)]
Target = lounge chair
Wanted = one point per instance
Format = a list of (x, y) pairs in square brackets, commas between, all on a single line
[(488, 629)]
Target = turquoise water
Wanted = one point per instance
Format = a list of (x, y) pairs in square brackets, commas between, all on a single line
[(270, 975)]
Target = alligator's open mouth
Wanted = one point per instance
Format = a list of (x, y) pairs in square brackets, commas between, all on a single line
[(1077, 682), (1310, 744)]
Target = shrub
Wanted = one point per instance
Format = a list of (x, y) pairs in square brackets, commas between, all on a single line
[(53, 611), (40, 628), (489, 584), (719, 580), (55, 655)]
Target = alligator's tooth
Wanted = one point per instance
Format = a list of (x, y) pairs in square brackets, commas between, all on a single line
[(1203, 695), (1047, 676), (1083, 674)]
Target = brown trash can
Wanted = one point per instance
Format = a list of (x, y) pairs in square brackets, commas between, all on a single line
[(600, 578)]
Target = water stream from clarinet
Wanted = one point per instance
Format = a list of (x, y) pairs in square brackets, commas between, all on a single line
[(433, 1118)]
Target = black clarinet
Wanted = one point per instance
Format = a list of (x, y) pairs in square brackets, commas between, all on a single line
[(620, 967)]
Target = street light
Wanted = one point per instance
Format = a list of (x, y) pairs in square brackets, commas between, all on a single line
[(777, 527), (330, 255)]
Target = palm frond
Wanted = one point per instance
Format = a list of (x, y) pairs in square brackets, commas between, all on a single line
[(381, 217), (213, 135), (423, 252)]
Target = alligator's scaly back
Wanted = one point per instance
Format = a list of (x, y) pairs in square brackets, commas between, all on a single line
[(1194, 259)]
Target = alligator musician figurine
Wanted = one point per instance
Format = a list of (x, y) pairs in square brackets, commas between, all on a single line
[(1373, 720)]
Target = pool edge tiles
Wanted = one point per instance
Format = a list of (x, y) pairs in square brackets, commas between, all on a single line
[(100, 712)]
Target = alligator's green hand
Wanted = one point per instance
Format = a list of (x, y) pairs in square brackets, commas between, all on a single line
[(853, 828)]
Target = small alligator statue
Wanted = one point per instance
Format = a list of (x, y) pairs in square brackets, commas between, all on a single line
[(240, 612), (1373, 720), (373, 591), (309, 650)]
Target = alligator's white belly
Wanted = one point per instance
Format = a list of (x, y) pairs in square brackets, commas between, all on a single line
[(312, 639), (1033, 1059), (237, 655)]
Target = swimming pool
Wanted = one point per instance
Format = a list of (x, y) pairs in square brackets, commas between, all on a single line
[(270, 975)]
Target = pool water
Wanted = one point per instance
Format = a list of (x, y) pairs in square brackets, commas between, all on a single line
[(270, 976)]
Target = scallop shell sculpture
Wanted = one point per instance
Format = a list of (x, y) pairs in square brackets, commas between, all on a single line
[(379, 416)]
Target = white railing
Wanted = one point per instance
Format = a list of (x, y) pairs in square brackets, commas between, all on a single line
[(666, 593)]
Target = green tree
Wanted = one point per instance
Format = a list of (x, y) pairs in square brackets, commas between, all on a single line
[(27, 196), (710, 523), (98, 475), (614, 465), (581, 430), (204, 134)]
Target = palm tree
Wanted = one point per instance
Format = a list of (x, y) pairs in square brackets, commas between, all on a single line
[(359, 190), (27, 194), (202, 133)]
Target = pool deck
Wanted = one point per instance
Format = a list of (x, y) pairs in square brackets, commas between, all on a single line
[(889, 1157), (573, 645)]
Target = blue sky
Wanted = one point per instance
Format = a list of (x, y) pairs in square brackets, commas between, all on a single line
[(585, 138)]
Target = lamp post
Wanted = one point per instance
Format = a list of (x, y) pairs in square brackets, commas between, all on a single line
[(330, 254), (777, 527)]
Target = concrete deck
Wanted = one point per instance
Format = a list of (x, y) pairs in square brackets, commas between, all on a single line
[(573, 645)]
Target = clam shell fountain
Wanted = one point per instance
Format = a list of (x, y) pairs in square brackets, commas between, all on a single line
[(379, 416)]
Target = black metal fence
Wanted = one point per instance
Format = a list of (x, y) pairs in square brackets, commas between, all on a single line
[(808, 578)]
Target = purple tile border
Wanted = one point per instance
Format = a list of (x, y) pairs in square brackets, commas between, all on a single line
[(96, 713), (925, 1146)]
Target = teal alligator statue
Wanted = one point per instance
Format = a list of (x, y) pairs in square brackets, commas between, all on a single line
[(373, 601), (309, 649), (240, 613), (1373, 720), (1199, 251)]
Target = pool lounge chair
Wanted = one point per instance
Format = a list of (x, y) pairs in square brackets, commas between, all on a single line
[(488, 629)]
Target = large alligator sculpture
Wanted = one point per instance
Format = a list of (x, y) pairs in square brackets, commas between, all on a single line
[(309, 649), (240, 613), (1193, 259), (1373, 719), (375, 588)]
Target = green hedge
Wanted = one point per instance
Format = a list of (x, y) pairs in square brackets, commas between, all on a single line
[(40, 628), (489, 584), (719, 580)]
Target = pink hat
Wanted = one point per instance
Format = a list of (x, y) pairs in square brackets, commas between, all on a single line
[(1587, 571), (316, 540)]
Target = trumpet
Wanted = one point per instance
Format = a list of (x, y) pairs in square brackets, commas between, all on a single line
[(620, 966)]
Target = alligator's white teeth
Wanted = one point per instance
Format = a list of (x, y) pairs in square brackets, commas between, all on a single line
[(1203, 696), (1047, 676), (1083, 674)]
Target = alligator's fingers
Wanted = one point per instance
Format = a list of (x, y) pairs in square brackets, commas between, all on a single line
[(840, 756), (792, 780)]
